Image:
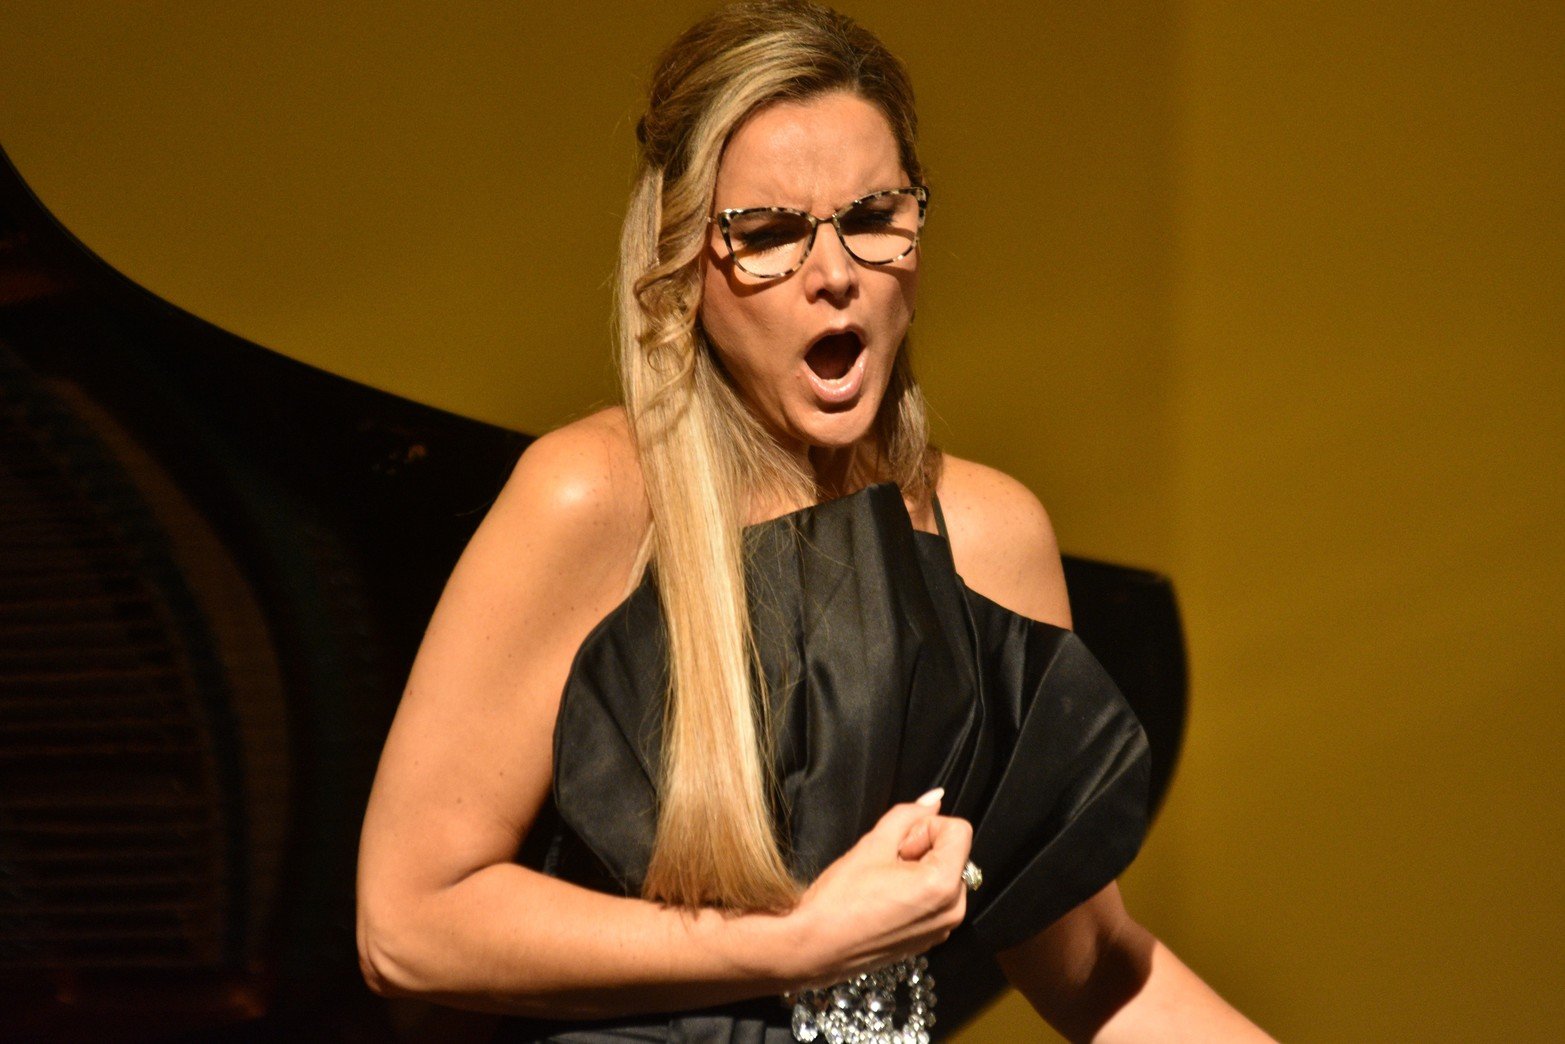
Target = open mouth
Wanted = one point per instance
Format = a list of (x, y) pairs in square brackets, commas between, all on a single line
[(833, 356)]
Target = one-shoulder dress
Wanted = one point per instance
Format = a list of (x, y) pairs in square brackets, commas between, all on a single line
[(888, 676)]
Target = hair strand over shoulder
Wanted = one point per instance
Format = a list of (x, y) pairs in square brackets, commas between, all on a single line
[(705, 458)]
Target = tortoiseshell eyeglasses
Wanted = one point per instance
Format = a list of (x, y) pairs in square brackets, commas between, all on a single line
[(877, 229)]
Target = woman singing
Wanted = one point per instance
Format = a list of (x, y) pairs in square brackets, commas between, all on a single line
[(746, 713)]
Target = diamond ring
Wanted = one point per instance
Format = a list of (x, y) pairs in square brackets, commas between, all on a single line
[(972, 877)]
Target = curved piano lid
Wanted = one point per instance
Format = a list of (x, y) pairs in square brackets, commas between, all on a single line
[(421, 198)]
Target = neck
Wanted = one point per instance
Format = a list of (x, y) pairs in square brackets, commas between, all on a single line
[(832, 472), (838, 472)]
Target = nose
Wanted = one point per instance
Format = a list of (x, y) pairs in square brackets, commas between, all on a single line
[(830, 271)]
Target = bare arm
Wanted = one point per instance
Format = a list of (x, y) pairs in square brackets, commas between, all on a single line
[(444, 912), (508, 939), (1095, 974)]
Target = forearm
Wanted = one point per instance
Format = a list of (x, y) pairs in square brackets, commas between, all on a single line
[(1097, 975), (510, 939), (1141, 991)]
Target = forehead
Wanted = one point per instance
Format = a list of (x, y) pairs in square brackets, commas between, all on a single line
[(814, 155)]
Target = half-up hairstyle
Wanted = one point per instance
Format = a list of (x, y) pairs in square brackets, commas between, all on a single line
[(704, 456)]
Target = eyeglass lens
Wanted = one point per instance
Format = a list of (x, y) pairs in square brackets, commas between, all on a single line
[(876, 231)]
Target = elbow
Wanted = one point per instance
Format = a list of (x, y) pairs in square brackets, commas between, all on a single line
[(377, 970), (385, 959)]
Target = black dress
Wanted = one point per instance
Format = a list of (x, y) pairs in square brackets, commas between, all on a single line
[(888, 677)]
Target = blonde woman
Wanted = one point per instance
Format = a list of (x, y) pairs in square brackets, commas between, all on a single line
[(746, 713)]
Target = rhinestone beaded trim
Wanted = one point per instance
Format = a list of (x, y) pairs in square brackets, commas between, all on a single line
[(863, 1010)]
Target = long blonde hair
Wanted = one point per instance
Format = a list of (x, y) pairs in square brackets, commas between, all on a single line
[(704, 457)]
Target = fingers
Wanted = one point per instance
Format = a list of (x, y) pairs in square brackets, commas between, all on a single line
[(939, 847), (951, 832), (919, 840), (921, 830), (900, 820), (904, 878), (950, 842)]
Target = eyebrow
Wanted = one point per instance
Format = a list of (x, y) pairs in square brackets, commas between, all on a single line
[(807, 210)]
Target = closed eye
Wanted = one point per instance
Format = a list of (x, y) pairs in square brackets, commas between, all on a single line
[(763, 238), (866, 220), (766, 231)]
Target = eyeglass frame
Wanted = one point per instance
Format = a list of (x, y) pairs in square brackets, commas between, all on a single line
[(723, 217)]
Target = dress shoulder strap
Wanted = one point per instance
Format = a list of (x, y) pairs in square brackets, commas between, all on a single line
[(940, 516)]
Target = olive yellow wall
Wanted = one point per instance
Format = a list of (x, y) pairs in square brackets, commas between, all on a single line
[(1265, 296), (1371, 352)]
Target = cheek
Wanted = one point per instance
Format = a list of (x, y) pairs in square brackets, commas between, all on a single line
[(723, 319), (738, 328), (719, 312), (899, 298)]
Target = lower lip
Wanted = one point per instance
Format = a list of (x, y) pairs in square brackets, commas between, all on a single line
[(841, 389)]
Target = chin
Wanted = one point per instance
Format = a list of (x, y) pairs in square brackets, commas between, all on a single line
[(840, 429)]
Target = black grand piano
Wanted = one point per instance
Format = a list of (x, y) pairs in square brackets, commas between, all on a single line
[(215, 566)]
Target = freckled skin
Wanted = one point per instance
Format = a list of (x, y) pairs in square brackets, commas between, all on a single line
[(815, 156)]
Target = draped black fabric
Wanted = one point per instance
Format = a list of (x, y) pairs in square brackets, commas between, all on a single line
[(888, 676)]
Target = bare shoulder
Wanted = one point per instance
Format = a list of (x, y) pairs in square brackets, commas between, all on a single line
[(584, 471), (557, 547), (551, 558), (467, 764), (1003, 540)]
